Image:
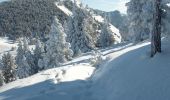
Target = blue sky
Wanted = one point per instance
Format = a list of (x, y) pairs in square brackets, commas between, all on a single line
[(107, 5), (2, 0)]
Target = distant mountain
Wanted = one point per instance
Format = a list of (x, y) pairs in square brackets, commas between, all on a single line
[(117, 19), (120, 21)]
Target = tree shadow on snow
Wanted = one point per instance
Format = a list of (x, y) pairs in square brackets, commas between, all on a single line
[(46, 90)]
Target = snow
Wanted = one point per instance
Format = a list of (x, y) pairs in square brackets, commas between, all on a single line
[(129, 74), (39, 84), (5, 45), (115, 31), (77, 2), (64, 9), (168, 4), (78, 73), (133, 75), (98, 18)]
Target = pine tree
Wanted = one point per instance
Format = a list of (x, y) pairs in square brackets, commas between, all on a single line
[(156, 34), (25, 60), (30, 60), (20, 53), (8, 68), (79, 39), (1, 79), (140, 18), (39, 50), (58, 50), (106, 36)]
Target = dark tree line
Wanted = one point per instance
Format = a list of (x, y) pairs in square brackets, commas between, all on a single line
[(30, 18)]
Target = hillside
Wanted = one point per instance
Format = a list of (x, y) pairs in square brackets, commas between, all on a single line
[(32, 18), (130, 74), (133, 75), (64, 50)]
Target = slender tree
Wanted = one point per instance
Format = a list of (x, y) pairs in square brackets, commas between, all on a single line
[(58, 50), (8, 68), (156, 34), (1, 79), (25, 60), (39, 50)]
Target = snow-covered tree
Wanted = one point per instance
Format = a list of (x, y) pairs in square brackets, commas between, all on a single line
[(8, 68), (140, 17), (78, 37), (30, 60), (90, 27), (97, 58), (106, 36), (22, 68), (1, 75), (39, 50), (149, 16), (25, 60), (120, 21), (1, 79), (20, 53), (57, 49)]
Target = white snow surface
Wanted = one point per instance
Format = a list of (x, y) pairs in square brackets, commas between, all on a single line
[(64, 9), (48, 83), (129, 74), (132, 75), (6, 46), (115, 31), (98, 18)]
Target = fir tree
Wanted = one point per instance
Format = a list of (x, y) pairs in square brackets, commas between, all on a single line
[(1, 79), (25, 60), (78, 37), (8, 68), (106, 36), (140, 18), (58, 50), (39, 50)]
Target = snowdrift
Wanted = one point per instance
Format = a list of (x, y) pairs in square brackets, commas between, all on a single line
[(133, 75)]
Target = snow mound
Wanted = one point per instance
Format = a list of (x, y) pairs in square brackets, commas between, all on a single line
[(46, 82)]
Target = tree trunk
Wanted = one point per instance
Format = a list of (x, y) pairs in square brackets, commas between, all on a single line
[(156, 33)]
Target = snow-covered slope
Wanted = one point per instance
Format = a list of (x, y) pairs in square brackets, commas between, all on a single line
[(115, 31), (130, 74), (64, 9), (98, 18), (6, 45), (117, 35), (10, 46), (46, 83), (133, 75)]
